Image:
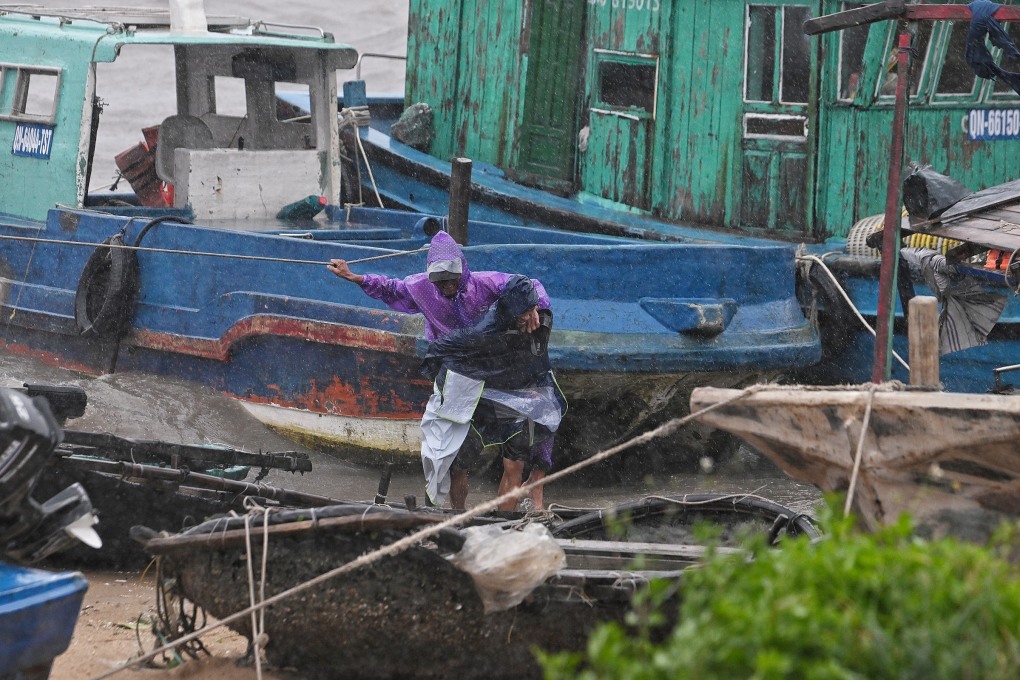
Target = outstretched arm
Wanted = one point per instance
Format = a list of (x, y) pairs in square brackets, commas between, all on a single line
[(340, 268)]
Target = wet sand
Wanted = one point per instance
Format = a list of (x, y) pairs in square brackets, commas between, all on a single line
[(107, 636)]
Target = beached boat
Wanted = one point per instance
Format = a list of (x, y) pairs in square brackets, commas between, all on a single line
[(167, 486), (224, 281), (121, 481), (465, 603), (949, 460), (729, 124)]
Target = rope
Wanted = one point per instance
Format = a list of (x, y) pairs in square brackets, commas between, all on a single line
[(171, 251), (256, 630), (358, 118), (857, 313), (860, 449), (414, 538)]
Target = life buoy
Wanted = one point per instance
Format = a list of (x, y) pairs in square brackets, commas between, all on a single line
[(107, 291)]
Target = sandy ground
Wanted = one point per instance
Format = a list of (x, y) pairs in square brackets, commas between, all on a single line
[(105, 637)]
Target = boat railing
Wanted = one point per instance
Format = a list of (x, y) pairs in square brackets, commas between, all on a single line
[(375, 55), (263, 27)]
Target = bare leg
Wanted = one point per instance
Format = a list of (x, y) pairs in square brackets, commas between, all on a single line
[(513, 472), (458, 487), (537, 494)]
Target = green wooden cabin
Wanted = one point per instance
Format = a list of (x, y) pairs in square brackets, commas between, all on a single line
[(713, 112)]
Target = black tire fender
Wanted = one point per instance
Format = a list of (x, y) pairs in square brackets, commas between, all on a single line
[(104, 303), (836, 319)]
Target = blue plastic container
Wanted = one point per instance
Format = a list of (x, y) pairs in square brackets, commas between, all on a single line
[(38, 611)]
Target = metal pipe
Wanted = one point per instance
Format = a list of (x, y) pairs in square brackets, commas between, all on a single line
[(881, 365), (379, 55), (460, 199)]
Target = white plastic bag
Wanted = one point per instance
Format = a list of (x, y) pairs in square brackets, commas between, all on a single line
[(507, 564)]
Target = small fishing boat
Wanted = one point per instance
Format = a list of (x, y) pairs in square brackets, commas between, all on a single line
[(949, 460), (466, 603), (213, 267), (167, 486)]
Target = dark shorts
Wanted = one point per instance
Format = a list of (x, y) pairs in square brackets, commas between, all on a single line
[(517, 438)]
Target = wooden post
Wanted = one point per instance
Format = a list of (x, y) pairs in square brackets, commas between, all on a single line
[(923, 334), (882, 362), (460, 199)]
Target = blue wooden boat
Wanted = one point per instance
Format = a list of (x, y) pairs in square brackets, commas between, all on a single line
[(616, 130), (195, 275), (38, 612)]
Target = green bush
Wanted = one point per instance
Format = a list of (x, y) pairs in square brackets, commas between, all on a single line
[(851, 605)]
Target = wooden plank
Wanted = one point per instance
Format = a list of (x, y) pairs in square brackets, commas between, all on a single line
[(238, 537), (896, 9), (955, 13), (969, 229), (923, 337), (869, 14), (633, 548)]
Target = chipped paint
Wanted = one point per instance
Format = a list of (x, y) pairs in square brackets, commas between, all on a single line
[(693, 164), (265, 324)]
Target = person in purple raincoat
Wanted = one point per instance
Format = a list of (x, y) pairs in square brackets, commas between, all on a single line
[(451, 297)]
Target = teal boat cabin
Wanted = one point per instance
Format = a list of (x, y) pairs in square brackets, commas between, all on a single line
[(721, 113)]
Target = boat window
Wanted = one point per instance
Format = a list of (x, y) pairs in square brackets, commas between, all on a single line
[(288, 113), (957, 77), (760, 62), (35, 92), (796, 67), (627, 82), (230, 98), (851, 56), (776, 61), (774, 126), (919, 47)]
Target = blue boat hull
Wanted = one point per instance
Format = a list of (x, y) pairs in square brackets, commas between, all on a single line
[(414, 180), (637, 326), (968, 371), (38, 612)]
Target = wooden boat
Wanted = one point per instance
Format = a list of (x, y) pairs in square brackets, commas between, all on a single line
[(213, 285), (949, 460), (419, 613), (721, 140), (165, 485)]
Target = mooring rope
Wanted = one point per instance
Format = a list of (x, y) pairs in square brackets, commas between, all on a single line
[(846, 298), (416, 537), (199, 253), (354, 117), (258, 616), (860, 450)]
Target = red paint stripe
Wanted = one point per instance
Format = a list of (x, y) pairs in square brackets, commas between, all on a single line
[(50, 358), (267, 324), (955, 13)]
